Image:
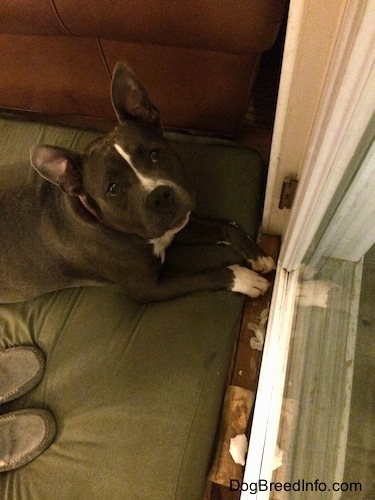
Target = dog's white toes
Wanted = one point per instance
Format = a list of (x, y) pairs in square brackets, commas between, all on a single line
[(248, 282), (264, 264)]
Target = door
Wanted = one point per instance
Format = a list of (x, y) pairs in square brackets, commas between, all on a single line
[(327, 143)]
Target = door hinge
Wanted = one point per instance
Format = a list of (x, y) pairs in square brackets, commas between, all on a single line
[(288, 192)]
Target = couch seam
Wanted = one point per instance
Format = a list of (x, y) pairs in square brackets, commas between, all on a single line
[(54, 8)]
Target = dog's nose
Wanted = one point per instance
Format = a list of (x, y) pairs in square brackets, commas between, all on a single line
[(161, 199)]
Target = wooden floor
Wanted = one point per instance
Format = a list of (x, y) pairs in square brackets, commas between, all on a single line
[(246, 360)]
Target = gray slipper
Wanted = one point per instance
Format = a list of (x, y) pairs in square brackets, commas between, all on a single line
[(21, 369), (24, 435)]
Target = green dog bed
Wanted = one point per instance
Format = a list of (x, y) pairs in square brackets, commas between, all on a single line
[(136, 389)]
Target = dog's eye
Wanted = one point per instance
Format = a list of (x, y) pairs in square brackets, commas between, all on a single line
[(155, 155), (114, 189)]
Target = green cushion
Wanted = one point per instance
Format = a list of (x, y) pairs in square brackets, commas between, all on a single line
[(136, 389)]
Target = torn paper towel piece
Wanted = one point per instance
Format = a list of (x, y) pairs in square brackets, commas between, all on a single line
[(238, 448), (259, 330), (238, 404), (315, 293), (278, 458)]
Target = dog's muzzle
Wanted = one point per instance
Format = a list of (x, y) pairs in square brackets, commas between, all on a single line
[(163, 199), (171, 206)]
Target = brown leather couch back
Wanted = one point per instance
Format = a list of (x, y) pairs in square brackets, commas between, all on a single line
[(198, 58)]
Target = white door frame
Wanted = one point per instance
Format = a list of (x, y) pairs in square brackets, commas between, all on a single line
[(307, 55), (338, 125), (346, 109)]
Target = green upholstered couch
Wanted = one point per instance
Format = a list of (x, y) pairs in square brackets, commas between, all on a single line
[(136, 389)]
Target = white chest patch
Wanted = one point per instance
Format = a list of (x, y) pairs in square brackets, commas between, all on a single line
[(161, 244)]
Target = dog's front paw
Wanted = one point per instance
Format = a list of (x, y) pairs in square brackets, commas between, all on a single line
[(262, 264), (248, 282)]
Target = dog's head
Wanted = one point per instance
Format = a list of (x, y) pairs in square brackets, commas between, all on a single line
[(130, 179)]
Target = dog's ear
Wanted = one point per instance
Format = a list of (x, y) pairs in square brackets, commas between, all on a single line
[(130, 98), (59, 166)]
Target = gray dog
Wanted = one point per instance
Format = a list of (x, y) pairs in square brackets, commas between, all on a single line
[(107, 215)]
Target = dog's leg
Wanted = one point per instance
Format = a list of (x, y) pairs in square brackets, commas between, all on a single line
[(234, 278), (227, 233)]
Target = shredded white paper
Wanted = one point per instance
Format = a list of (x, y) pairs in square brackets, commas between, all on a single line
[(278, 458), (257, 341), (238, 448), (315, 293)]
